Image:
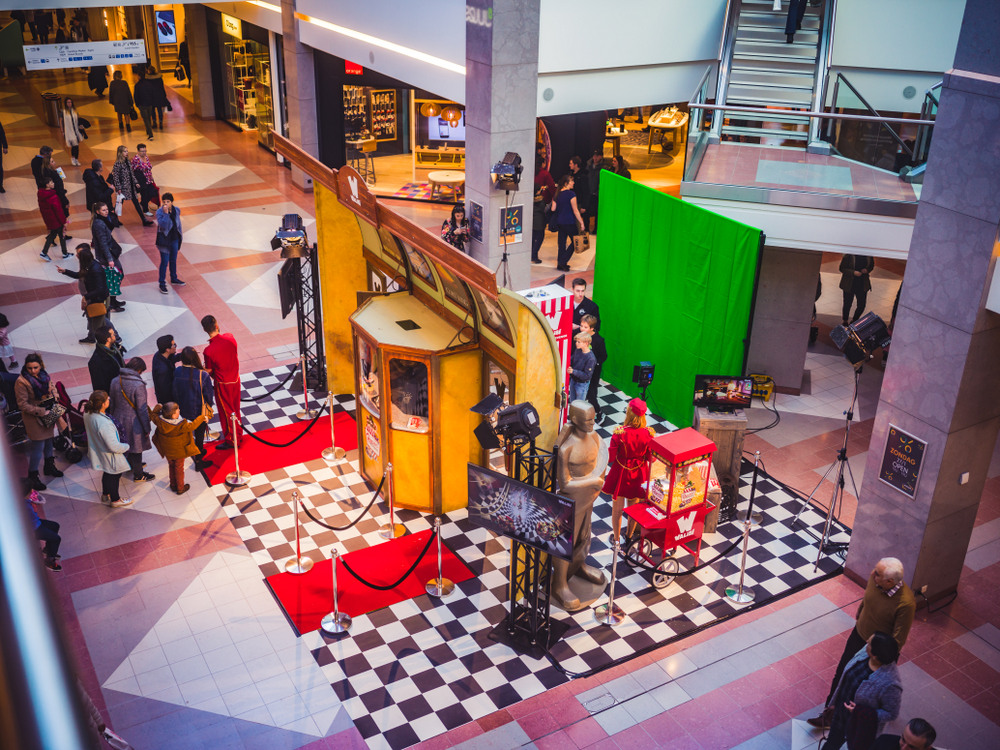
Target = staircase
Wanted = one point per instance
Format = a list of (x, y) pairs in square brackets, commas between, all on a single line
[(766, 71)]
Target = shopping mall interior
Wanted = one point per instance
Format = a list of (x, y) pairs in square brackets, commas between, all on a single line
[(183, 619)]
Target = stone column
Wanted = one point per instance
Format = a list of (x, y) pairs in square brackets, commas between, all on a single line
[(300, 91), (943, 378), (501, 81), (196, 36)]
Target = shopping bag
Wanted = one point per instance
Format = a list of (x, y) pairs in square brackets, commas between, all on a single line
[(118, 204), (581, 243), (116, 741), (113, 277)]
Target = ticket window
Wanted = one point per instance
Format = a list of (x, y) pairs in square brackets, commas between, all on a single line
[(369, 375), (409, 426)]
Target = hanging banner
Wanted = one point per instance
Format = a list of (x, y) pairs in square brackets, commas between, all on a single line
[(901, 461), (84, 54)]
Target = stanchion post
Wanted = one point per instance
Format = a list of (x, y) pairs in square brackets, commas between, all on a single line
[(391, 530), (739, 594), (336, 621), (236, 478), (298, 564), (306, 412), (440, 586), (333, 453), (754, 516), (610, 613)]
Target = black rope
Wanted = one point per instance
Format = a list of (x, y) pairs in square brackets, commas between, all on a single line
[(652, 568), (277, 388), (356, 520), (405, 575), (285, 445)]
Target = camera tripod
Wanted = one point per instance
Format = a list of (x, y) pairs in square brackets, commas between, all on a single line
[(842, 467)]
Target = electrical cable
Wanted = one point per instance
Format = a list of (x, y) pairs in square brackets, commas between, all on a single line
[(293, 440), (390, 587), (277, 388), (353, 523)]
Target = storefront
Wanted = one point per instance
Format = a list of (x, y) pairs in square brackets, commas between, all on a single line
[(246, 68)]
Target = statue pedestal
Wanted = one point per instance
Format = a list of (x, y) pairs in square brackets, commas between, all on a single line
[(584, 590)]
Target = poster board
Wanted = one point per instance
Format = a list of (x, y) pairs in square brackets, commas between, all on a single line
[(901, 461)]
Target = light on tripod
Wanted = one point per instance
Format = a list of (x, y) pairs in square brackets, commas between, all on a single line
[(506, 173), (513, 425), (291, 237), (859, 340)]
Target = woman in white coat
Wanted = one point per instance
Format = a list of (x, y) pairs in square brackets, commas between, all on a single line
[(72, 131), (106, 449)]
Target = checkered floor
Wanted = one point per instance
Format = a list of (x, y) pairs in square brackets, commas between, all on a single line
[(418, 668)]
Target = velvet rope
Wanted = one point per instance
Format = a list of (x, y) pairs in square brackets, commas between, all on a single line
[(402, 578)]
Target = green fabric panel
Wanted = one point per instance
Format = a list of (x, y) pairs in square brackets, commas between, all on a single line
[(675, 284)]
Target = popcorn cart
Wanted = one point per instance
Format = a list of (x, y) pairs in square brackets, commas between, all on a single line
[(674, 515)]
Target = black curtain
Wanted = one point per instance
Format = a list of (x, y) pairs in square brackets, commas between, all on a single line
[(574, 135)]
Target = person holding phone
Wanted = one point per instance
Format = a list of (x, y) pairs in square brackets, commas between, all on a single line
[(455, 231)]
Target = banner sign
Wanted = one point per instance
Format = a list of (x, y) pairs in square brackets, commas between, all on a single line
[(901, 461), (84, 54), (511, 225), (475, 221)]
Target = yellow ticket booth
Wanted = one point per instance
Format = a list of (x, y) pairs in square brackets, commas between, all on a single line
[(419, 332)]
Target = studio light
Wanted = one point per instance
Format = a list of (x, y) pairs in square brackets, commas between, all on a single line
[(860, 339), (291, 237), (506, 173), (513, 425), (642, 374)]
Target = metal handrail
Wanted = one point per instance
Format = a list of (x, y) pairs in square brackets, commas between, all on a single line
[(824, 59), (800, 113), (870, 108), (733, 8)]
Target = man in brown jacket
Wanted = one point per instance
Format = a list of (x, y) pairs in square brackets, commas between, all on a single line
[(174, 439), (888, 606)]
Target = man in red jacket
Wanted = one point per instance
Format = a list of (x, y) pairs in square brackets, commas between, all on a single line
[(223, 364)]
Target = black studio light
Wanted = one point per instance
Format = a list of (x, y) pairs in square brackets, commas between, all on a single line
[(291, 237), (860, 339)]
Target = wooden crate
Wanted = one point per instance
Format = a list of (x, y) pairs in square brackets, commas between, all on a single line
[(727, 432)]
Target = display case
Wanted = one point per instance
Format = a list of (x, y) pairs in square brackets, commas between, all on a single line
[(246, 62), (679, 475), (370, 113)]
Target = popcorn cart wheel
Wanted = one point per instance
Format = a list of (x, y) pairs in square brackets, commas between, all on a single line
[(656, 529)]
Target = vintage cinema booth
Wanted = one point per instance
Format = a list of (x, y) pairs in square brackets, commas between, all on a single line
[(420, 333)]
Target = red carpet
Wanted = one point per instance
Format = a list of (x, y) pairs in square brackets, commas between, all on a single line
[(256, 457), (308, 597)]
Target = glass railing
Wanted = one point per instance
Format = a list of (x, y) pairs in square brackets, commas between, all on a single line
[(699, 125), (927, 112)]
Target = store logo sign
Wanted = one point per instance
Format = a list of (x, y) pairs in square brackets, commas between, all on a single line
[(479, 16), (685, 526), (353, 182), (232, 26)]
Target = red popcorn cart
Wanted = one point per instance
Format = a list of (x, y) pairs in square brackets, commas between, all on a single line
[(675, 514)]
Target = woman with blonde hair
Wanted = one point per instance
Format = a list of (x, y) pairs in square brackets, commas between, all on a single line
[(72, 130), (628, 463), (125, 183)]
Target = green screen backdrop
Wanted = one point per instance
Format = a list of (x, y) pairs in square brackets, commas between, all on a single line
[(675, 285)]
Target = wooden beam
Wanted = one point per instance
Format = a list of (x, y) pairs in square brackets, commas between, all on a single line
[(306, 162)]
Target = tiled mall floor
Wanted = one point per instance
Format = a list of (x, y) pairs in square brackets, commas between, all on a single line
[(182, 646)]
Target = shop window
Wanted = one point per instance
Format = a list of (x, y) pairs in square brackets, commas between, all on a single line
[(368, 373), (419, 264), (408, 392), (493, 315), (454, 289)]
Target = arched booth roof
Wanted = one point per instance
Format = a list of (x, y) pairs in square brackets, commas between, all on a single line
[(366, 249)]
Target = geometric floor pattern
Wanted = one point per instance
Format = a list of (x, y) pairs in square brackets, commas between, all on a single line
[(420, 667)]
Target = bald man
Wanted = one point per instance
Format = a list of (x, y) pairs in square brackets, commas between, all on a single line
[(888, 606)]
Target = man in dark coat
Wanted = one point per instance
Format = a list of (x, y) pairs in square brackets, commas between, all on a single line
[(583, 305), (164, 360), (145, 98), (105, 363), (120, 97), (98, 189), (36, 164), (855, 281)]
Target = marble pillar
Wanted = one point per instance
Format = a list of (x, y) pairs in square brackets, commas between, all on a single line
[(202, 86), (300, 91), (501, 82), (943, 377)]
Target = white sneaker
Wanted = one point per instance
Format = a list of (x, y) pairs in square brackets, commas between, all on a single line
[(121, 502), (149, 213), (76, 162)]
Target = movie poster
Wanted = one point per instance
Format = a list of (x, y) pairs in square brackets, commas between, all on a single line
[(524, 513)]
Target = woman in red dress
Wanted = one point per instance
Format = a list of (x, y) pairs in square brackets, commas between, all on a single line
[(629, 459)]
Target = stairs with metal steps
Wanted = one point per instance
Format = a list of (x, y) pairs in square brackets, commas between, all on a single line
[(766, 70)]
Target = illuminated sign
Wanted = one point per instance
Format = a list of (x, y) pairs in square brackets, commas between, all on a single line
[(232, 26), (84, 54), (353, 69)]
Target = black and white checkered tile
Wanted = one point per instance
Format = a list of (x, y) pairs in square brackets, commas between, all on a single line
[(415, 669)]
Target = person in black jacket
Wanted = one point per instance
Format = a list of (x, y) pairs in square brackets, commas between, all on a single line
[(36, 164), (588, 324), (145, 94), (98, 189), (93, 288), (106, 362), (583, 305), (107, 251), (97, 79), (120, 97), (164, 362), (160, 101)]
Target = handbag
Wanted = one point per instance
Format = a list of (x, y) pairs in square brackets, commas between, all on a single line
[(118, 204), (169, 107), (96, 310), (179, 73), (133, 115), (581, 243), (55, 411), (206, 409), (113, 277)]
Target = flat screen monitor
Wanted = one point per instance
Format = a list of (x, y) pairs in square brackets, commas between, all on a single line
[(289, 282), (438, 129), (166, 27), (722, 392), (524, 513)]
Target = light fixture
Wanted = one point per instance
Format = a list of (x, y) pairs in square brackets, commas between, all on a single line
[(506, 173), (860, 339), (451, 113), (430, 109), (291, 237)]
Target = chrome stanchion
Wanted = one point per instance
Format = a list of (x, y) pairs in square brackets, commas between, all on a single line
[(754, 516), (336, 621), (306, 412), (236, 478), (740, 594), (391, 530), (298, 564), (610, 613), (440, 586), (333, 453)]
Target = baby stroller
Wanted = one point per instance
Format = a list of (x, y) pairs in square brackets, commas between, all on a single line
[(13, 423), (74, 437)]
